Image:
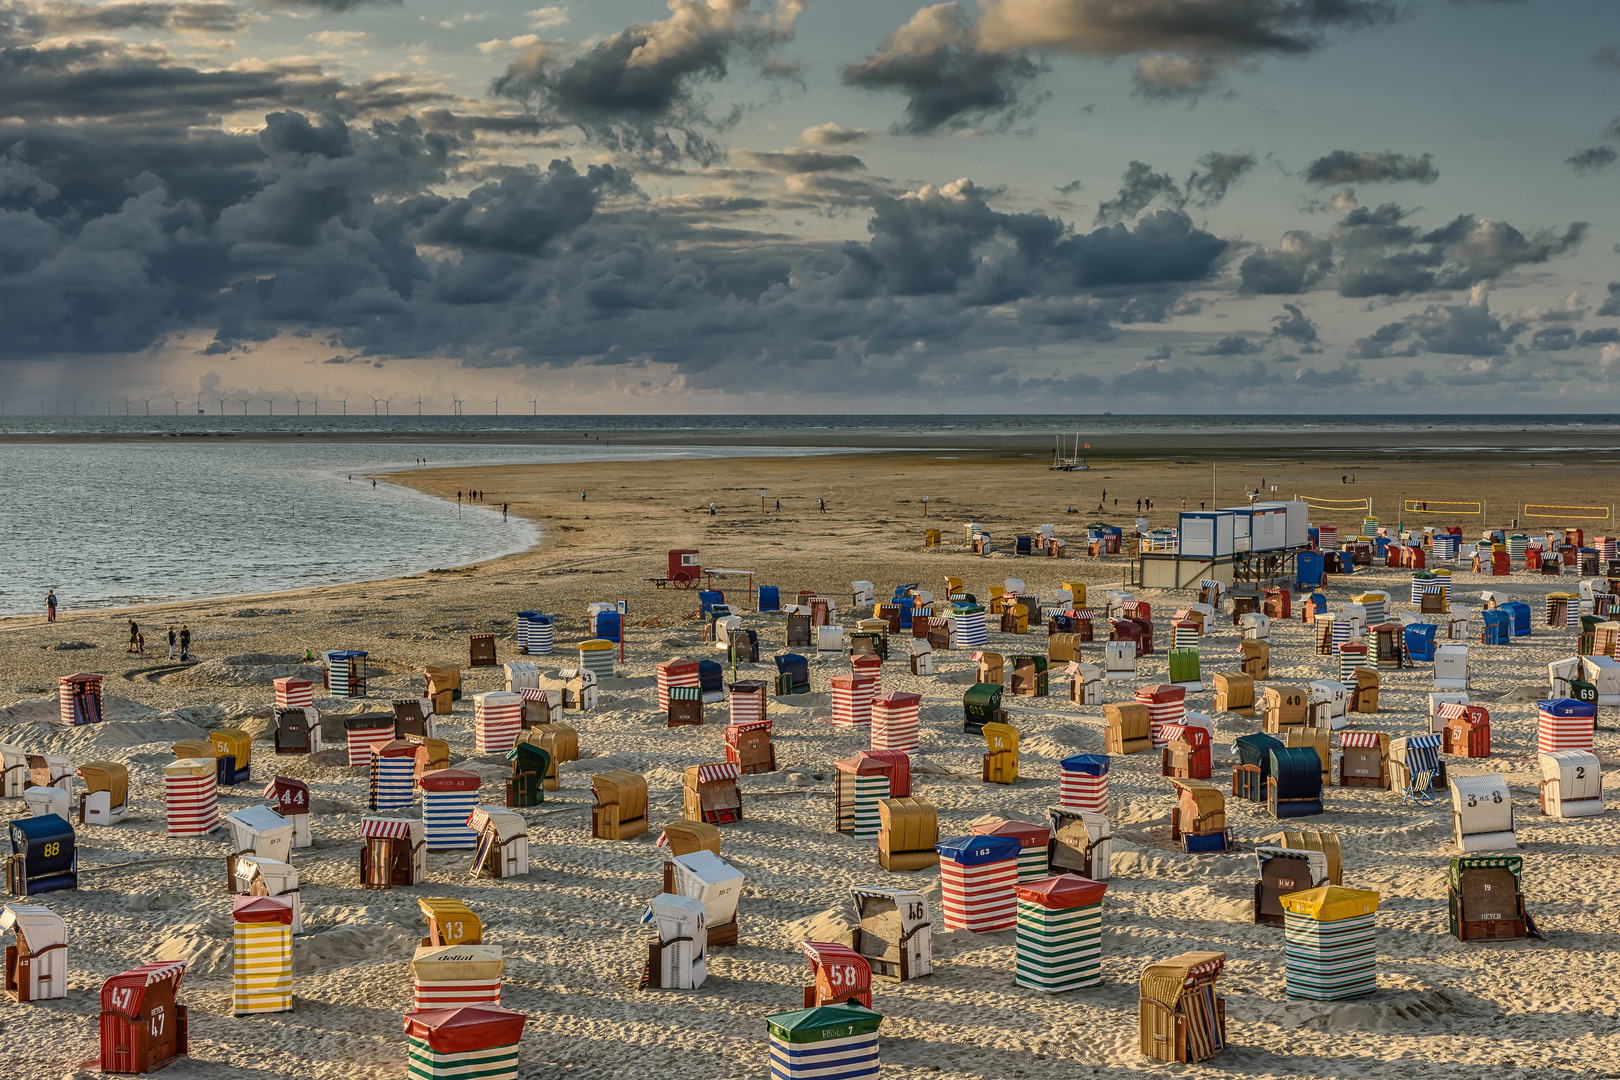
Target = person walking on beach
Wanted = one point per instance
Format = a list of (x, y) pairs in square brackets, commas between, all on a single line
[(711, 508), (185, 642), (373, 481), (173, 640), (458, 498), (822, 503), (503, 510), (1138, 506), (778, 506), (582, 496), (50, 597), (140, 642), (134, 632)]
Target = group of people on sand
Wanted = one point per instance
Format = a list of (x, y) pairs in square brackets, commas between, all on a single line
[(178, 639)]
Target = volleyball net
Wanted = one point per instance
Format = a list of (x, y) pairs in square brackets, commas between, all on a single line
[(1431, 506), (1341, 506), (1567, 513)]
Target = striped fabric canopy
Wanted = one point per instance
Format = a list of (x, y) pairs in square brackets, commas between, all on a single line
[(157, 972), (752, 725), (1359, 740), (377, 828), (723, 770), (534, 695)]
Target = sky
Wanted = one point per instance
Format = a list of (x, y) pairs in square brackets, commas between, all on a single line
[(725, 206)]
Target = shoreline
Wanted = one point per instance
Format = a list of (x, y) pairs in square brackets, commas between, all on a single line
[(1163, 441)]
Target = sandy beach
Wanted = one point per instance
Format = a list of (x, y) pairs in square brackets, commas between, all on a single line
[(573, 946)]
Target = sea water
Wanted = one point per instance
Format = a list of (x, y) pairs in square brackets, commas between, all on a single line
[(115, 524)]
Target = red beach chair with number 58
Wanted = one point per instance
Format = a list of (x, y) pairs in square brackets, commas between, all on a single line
[(841, 974)]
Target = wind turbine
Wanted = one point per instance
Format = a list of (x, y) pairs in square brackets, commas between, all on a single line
[(148, 405), (298, 405), (534, 406), (271, 401), (244, 402), (497, 404), (345, 402), (126, 406), (109, 406), (221, 405), (199, 405), (456, 403), (375, 401), (386, 410), (317, 403), (418, 405), (176, 404)]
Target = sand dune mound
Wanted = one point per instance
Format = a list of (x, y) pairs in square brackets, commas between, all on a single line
[(205, 945), (247, 669), (49, 709)]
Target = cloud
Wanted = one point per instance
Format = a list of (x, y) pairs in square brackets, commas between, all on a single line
[(339, 38), (1202, 27), (792, 162), (1232, 345), (830, 134), (948, 240), (1218, 173), (1148, 379), (1345, 374), (1553, 339), (1571, 308), (1454, 329), (548, 17), (1071, 187), (524, 211), (1367, 167), (1294, 265), (1385, 255), (1601, 336), (950, 83), (1139, 187), (1168, 77), (1608, 56), (1593, 159), (1294, 326), (521, 41), (63, 18), (641, 90), (1611, 306), (331, 7)]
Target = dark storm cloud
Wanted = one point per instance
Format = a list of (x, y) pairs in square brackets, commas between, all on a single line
[(1366, 167), (1591, 160), (948, 81), (793, 162), (524, 211), (1294, 326), (1344, 375), (1385, 255), (1199, 27), (1296, 264), (1452, 329), (1611, 306), (1606, 335), (641, 90), (1553, 339), (63, 18), (950, 241), (1232, 345)]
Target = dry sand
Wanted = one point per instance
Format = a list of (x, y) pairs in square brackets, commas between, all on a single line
[(573, 946)]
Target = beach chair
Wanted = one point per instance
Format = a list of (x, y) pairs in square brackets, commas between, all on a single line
[(1181, 1018), (1422, 764), (1482, 813)]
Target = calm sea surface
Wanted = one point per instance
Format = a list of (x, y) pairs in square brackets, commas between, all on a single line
[(111, 524)]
